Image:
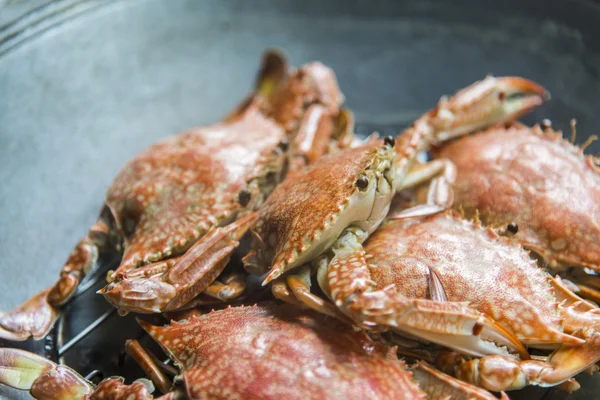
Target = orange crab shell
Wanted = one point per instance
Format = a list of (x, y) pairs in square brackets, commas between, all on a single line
[(312, 82), (532, 177), (494, 274), (171, 194), (281, 351), (306, 205)]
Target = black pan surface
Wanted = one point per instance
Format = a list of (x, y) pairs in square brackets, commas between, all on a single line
[(84, 85)]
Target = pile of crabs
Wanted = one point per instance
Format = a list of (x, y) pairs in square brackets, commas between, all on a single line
[(388, 276)]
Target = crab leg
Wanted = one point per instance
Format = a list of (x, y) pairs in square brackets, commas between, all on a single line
[(145, 361), (282, 292), (319, 128), (440, 196), (423, 172), (190, 275), (506, 373), (438, 385), (227, 288), (300, 283), (37, 316)]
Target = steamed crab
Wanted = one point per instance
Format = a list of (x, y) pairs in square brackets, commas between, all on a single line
[(177, 210), (447, 258), (319, 218), (273, 352), (537, 186)]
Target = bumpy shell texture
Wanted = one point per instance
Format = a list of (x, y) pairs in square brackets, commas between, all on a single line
[(169, 195), (536, 179), (307, 204), (473, 264), (272, 351)]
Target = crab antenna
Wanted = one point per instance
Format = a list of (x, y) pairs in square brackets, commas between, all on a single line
[(589, 141), (573, 130)]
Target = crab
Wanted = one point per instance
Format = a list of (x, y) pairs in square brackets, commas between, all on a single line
[(178, 209), (273, 352), (319, 218), (447, 258), (536, 186)]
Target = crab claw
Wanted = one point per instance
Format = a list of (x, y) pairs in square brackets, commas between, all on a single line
[(168, 285), (506, 373), (451, 324), (487, 102), (43, 378)]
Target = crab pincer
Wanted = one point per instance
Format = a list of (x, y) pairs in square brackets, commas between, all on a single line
[(318, 218)]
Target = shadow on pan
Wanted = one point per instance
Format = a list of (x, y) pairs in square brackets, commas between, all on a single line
[(87, 84)]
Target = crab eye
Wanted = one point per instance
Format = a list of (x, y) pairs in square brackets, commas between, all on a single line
[(244, 197), (512, 228), (362, 183), (546, 124), (284, 144), (390, 141)]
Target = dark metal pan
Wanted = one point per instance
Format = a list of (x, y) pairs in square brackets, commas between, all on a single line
[(84, 85)]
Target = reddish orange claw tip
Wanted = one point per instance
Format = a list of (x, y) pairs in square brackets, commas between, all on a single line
[(517, 84), (273, 274)]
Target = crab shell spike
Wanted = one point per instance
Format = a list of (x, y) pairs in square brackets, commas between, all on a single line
[(507, 281), (280, 351)]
